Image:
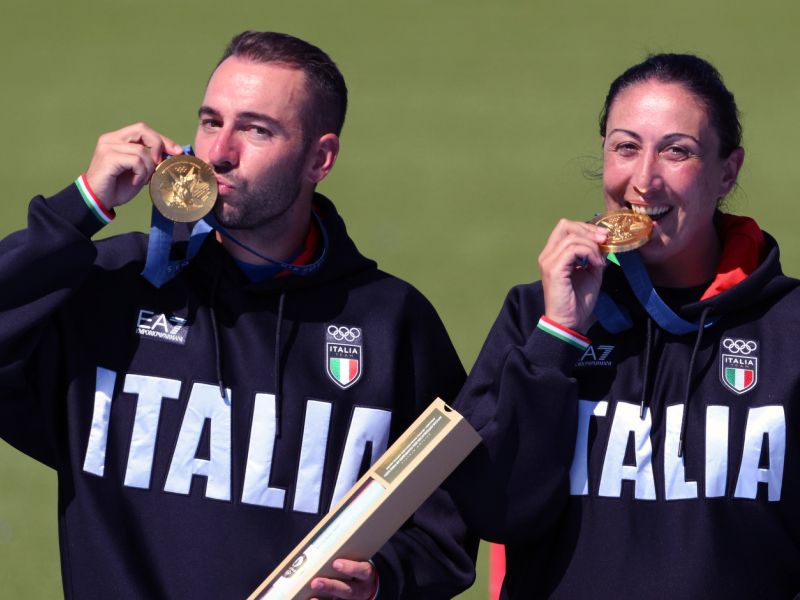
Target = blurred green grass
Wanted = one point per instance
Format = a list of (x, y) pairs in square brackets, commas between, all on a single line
[(470, 128)]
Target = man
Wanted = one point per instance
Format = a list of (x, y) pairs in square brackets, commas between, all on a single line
[(201, 428)]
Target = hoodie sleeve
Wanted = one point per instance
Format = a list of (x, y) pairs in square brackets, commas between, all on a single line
[(40, 268), (522, 400), (432, 556)]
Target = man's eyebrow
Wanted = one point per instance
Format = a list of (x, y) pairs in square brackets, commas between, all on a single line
[(207, 111), (242, 116), (256, 116)]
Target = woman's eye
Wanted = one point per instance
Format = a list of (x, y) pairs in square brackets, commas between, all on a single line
[(676, 152), (625, 149)]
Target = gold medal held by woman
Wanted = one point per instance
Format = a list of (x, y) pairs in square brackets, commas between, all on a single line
[(627, 230), (183, 188)]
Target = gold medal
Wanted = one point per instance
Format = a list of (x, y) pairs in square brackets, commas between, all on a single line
[(627, 230), (183, 188)]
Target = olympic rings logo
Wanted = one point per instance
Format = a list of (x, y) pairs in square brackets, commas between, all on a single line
[(347, 334), (739, 346)]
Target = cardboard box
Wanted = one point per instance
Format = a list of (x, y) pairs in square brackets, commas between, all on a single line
[(378, 504)]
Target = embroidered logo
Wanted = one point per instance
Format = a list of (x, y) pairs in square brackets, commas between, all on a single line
[(295, 566), (167, 328), (344, 354), (596, 356), (738, 364)]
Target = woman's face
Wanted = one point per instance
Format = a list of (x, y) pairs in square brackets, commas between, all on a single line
[(661, 157)]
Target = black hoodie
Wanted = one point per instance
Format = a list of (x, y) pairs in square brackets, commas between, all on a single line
[(581, 473), (200, 430)]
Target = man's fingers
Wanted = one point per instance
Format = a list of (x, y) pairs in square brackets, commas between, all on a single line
[(359, 570), (334, 587), (125, 159), (143, 135), (357, 581)]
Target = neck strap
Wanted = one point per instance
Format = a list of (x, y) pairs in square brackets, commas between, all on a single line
[(615, 318), (159, 269)]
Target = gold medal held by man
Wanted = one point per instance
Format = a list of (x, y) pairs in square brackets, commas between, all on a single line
[(183, 188), (627, 230)]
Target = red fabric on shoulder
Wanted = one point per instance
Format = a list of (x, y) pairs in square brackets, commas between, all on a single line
[(309, 248), (743, 249)]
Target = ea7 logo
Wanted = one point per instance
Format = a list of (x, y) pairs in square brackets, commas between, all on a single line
[(168, 328), (596, 356), (738, 364)]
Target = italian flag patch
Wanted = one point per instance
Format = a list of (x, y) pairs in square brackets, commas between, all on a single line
[(344, 370), (344, 354)]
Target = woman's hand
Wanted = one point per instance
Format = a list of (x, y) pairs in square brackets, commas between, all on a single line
[(572, 267)]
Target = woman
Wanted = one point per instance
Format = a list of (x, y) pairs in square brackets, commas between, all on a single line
[(641, 411)]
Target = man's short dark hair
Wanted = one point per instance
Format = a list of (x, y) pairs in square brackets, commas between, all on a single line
[(327, 92)]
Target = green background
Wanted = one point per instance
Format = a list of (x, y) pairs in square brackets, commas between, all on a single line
[(471, 127)]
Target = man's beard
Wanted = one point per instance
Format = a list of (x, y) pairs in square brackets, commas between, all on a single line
[(264, 201)]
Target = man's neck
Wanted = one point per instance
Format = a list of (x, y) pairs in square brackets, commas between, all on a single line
[(280, 239)]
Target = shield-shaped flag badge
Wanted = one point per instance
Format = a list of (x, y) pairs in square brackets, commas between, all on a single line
[(344, 354), (739, 364)]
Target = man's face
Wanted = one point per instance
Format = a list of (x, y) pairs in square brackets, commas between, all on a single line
[(251, 133)]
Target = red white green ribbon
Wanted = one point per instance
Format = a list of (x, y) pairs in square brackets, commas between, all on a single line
[(93, 202), (572, 338)]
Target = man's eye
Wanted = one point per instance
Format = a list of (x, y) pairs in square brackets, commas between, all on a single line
[(209, 123), (259, 131)]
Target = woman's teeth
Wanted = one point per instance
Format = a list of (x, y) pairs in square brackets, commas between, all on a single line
[(654, 212)]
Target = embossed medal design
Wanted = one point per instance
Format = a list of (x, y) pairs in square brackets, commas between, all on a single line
[(183, 188), (627, 230)]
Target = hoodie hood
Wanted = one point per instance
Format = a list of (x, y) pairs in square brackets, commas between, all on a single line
[(344, 259), (218, 281), (749, 274)]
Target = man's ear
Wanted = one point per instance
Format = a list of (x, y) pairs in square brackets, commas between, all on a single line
[(324, 152)]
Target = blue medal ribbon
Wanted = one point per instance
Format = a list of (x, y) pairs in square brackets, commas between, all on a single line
[(159, 269), (615, 318)]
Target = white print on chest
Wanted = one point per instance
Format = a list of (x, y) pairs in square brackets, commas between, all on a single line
[(369, 429), (765, 425)]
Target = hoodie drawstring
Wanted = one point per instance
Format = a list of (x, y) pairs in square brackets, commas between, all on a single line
[(277, 369), (651, 341), (648, 349), (688, 391), (215, 330), (277, 357)]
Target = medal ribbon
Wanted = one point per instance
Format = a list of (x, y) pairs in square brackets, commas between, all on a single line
[(615, 318), (159, 269)]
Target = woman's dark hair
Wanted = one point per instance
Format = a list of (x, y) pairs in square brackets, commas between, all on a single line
[(696, 75)]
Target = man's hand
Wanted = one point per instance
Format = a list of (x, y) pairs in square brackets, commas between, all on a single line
[(124, 160), (359, 581)]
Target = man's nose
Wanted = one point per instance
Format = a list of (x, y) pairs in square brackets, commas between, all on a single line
[(224, 151)]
